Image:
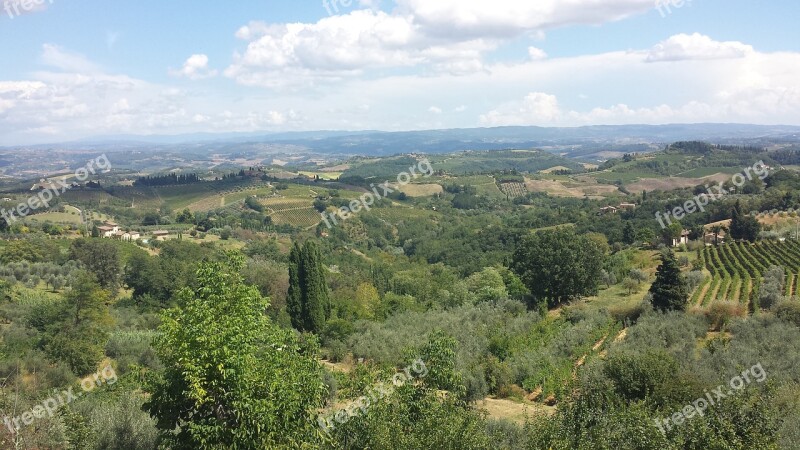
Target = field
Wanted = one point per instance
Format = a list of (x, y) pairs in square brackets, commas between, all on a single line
[(570, 187), (292, 211), (553, 169), (421, 190), (737, 270), (514, 190), (669, 183), (56, 217), (325, 175)]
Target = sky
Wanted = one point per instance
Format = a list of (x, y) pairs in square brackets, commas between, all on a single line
[(76, 69)]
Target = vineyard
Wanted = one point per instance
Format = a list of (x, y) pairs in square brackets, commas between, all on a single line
[(294, 212), (737, 271), (514, 190)]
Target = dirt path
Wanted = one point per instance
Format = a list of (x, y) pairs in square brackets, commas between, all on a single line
[(513, 411)]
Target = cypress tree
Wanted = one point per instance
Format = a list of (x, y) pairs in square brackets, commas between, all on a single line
[(307, 302), (294, 303), (670, 291), (316, 306), (628, 234)]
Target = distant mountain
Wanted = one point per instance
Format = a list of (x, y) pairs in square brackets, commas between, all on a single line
[(589, 143)]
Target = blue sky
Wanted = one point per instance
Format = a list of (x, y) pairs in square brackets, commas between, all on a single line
[(80, 68)]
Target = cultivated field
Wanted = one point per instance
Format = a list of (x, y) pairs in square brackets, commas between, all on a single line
[(737, 270), (421, 190)]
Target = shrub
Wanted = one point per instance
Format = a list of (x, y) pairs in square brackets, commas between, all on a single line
[(720, 314), (789, 310)]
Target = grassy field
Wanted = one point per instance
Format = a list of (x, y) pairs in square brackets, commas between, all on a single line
[(72, 218), (421, 190), (701, 172), (323, 175)]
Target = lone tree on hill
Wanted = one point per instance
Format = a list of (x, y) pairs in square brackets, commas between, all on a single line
[(307, 302), (559, 265), (670, 290)]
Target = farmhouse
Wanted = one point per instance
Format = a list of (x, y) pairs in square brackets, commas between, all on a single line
[(710, 239), (109, 229), (684, 239), (607, 210)]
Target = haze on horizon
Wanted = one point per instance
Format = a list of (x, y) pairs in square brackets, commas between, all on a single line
[(74, 70)]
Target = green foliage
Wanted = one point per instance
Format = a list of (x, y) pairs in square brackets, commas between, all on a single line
[(772, 288), (559, 265), (789, 310), (231, 378), (75, 331), (307, 303), (670, 291), (101, 258), (743, 227)]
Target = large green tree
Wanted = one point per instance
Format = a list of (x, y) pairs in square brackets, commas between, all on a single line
[(670, 290), (559, 265), (75, 331), (101, 258), (231, 378), (308, 303), (743, 227)]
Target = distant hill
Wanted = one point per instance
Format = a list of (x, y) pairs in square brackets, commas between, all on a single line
[(592, 143)]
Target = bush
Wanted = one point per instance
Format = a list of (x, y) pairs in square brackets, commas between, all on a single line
[(720, 314), (789, 310)]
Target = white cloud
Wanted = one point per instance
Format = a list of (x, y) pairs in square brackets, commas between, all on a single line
[(55, 56), (435, 110), (535, 109), (536, 54), (195, 68), (510, 18), (80, 100), (345, 46), (449, 36), (696, 46)]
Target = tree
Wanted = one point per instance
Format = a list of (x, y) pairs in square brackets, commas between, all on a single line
[(307, 303), (743, 227), (670, 291), (95, 231), (78, 332), (559, 265), (772, 288), (232, 379), (185, 216), (717, 230), (628, 234), (367, 301), (630, 285), (101, 258), (608, 278), (316, 305), (672, 232)]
